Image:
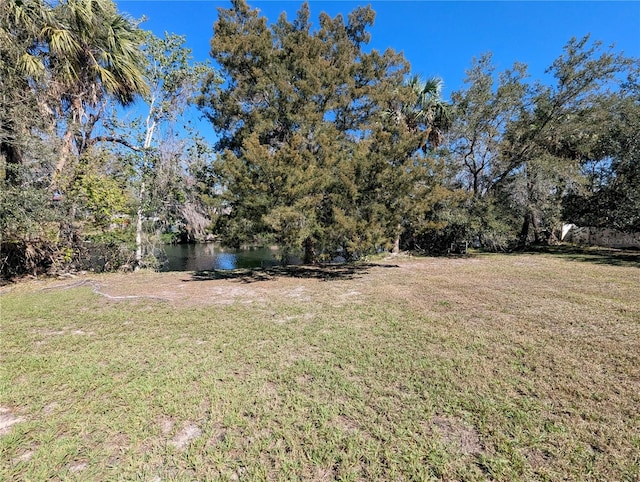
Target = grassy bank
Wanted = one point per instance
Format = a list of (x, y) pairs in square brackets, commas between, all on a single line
[(506, 367)]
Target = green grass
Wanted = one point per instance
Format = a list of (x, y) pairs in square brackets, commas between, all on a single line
[(490, 367)]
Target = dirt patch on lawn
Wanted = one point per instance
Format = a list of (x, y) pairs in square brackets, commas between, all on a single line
[(335, 284), (77, 466), (7, 420), (457, 434), (221, 288), (175, 288), (185, 436)]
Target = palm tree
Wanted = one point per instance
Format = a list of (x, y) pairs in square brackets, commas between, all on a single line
[(429, 110), (72, 56), (94, 53), (426, 115)]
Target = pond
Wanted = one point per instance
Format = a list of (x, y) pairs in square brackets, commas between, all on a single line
[(210, 256)]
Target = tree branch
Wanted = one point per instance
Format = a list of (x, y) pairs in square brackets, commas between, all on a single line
[(117, 140)]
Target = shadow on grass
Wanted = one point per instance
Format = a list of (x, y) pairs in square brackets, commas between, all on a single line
[(596, 255), (322, 272)]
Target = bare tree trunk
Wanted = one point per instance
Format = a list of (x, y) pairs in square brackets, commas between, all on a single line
[(151, 125), (524, 232), (396, 242), (309, 251), (138, 263), (73, 124), (65, 153), (537, 232)]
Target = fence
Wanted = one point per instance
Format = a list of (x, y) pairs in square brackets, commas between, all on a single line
[(590, 236)]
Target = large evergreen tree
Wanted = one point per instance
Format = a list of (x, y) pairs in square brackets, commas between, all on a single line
[(311, 156)]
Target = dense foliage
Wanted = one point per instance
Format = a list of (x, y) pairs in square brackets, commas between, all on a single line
[(75, 173), (325, 146), (321, 141), (526, 152), (320, 144)]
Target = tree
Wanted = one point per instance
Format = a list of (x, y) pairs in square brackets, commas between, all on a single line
[(428, 117), (550, 139), (58, 63), (94, 55), (311, 157), (518, 147), (21, 68), (430, 112), (482, 112), (67, 68), (74, 56), (153, 149), (609, 197)]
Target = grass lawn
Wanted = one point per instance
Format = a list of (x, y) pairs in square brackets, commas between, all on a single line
[(489, 367)]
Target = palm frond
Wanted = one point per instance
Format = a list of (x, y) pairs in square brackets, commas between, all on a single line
[(31, 65), (61, 42)]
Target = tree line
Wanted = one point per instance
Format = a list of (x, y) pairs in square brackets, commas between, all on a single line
[(325, 146)]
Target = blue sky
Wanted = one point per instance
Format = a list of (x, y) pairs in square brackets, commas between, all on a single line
[(438, 38)]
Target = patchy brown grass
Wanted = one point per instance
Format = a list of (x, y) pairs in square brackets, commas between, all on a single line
[(504, 367)]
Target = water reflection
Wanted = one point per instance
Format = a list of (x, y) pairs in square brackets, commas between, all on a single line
[(205, 257), (225, 261)]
